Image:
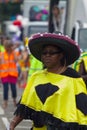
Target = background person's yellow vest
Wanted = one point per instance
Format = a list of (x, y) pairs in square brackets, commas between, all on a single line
[(77, 62)]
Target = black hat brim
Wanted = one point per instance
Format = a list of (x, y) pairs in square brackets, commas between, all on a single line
[(67, 45)]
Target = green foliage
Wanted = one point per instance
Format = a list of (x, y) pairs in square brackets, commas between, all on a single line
[(9, 9)]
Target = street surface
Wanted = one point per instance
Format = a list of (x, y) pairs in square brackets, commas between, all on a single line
[(6, 115)]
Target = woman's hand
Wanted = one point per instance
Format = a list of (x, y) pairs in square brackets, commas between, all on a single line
[(14, 122)]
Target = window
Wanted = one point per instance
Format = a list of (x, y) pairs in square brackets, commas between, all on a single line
[(37, 29), (82, 38)]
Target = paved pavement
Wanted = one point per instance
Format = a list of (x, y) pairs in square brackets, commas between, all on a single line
[(7, 114)]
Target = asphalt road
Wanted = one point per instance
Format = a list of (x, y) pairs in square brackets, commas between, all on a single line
[(6, 115)]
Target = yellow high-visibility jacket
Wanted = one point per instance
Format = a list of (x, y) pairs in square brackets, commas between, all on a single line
[(76, 64)]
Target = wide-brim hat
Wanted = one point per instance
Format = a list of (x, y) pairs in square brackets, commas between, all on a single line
[(69, 46)]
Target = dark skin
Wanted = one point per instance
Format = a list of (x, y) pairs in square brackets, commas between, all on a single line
[(52, 62), (83, 72)]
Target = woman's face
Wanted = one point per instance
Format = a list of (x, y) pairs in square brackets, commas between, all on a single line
[(55, 12), (51, 56)]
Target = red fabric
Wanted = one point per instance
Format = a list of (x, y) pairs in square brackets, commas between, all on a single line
[(17, 23), (9, 79)]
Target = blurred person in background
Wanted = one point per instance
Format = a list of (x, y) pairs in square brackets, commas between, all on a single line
[(56, 19), (34, 64), (24, 64), (8, 71), (80, 66)]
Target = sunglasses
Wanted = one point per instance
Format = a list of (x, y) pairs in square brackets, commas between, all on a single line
[(51, 52)]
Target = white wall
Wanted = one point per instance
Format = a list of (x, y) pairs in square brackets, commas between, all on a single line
[(76, 10), (81, 10)]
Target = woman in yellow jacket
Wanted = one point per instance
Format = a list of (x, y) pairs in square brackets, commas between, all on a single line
[(8, 71), (55, 98)]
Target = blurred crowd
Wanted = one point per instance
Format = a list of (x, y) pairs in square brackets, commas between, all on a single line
[(16, 66)]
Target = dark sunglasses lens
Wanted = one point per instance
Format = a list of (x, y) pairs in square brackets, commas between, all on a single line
[(51, 53)]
